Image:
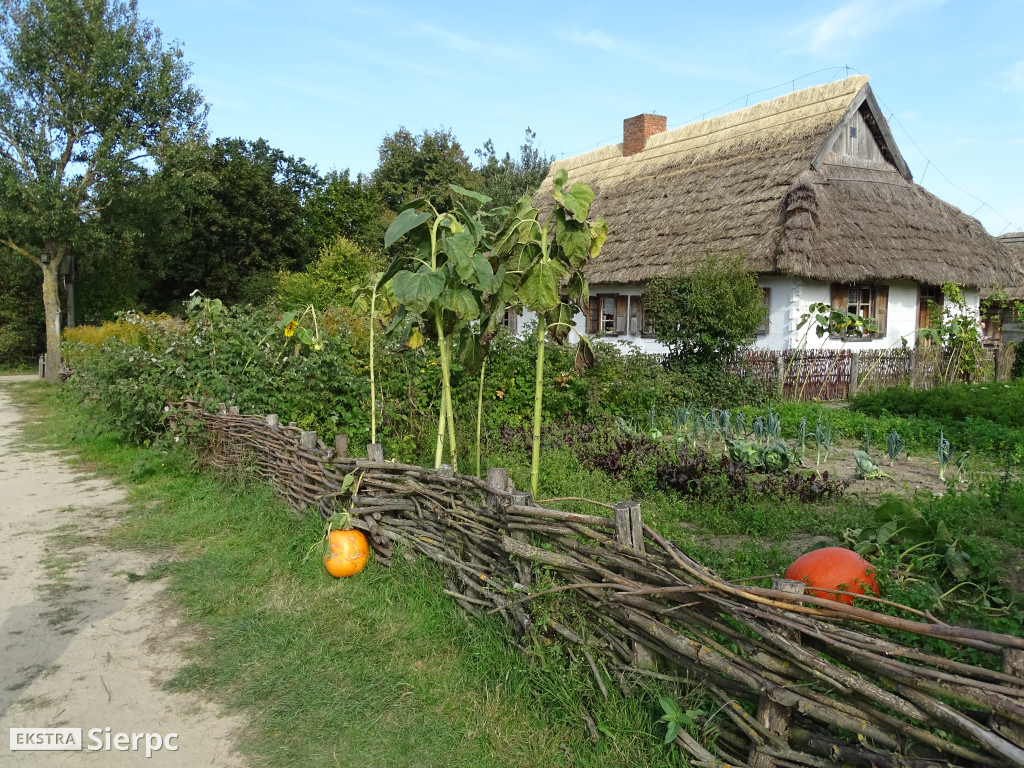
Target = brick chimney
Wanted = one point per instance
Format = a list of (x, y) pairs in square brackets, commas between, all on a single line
[(637, 130)]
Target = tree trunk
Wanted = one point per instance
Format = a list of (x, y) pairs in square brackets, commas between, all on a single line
[(51, 305)]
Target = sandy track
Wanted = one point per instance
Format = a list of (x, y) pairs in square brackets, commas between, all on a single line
[(81, 646)]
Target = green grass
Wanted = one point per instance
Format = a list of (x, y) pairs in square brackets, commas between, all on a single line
[(13, 369), (379, 669)]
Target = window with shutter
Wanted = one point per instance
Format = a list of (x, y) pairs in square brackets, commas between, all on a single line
[(763, 330), (870, 302)]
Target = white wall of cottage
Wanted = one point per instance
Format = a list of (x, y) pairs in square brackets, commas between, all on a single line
[(789, 300)]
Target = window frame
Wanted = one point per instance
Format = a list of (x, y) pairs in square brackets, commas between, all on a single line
[(877, 301)]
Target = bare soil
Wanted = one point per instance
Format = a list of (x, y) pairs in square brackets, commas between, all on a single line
[(81, 644)]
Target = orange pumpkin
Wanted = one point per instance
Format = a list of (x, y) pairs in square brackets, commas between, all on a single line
[(834, 568), (349, 552)]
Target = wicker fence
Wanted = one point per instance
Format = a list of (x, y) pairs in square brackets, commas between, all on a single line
[(798, 680), (837, 374)]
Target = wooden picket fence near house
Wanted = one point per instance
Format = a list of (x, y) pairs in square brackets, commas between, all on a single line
[(795, 680), (837, 374)]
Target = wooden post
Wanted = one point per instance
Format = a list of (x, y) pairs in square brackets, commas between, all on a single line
[(233, 410), (42, 366), (522, 499), (222, 409), (273, 420), (774, 716), (341, 446), (375, 452), (497, 477), (628, 528), (629, 532), (854, 374), (995, 363), (780, 377), (293, 424), (307, 440), (1013, 664), (446, 470)]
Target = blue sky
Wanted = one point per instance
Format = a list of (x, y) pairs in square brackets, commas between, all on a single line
[(328, 80)]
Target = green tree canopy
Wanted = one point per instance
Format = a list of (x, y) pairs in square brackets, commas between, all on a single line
[(706, 315), (412, 166), (88, 91), (352, 209), (508, 179), (223, 218)]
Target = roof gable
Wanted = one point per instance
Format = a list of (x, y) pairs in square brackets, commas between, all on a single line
[(864, 111)]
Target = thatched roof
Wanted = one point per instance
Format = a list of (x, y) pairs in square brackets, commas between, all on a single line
[(1014, 243), (763, 181)]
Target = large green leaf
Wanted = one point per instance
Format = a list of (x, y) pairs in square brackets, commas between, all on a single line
[(472, 351), (486, 280), (460, 248), (540, 286), (958, 563), (482, 199), (576, 200), (472, 223), (520, 227), (584, 356), (417, 289), (393, 269), (574, 239), (598, 234), (561, 322), (463, 303), (407, 220), (578, 290)]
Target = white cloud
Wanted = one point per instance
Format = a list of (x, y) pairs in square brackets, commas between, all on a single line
[(859, 20), (1013, 78)]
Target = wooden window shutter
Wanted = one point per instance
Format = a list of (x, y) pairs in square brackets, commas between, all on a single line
[(839, 296), (620, 314), (881, 308), (763, 330), (594, 317)]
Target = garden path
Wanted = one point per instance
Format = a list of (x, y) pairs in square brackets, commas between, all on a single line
[(81, 646)]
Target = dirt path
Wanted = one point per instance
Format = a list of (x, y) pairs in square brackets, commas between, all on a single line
[(81, 646)]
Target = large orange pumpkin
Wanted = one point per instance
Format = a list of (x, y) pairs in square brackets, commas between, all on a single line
[(834, 568), (349, 552)]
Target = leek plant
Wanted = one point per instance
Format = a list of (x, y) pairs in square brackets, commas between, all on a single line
[(945, 453)]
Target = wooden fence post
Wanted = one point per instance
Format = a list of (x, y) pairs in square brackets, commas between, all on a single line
[(222, 409), (1013, 664), (307, 440), (773, 715), (996, 356), (854, 373), (375, 452), (522, 499), (273, 420), (497, 477), (233, 410), (341, 446), (446, 470), (779, 387), (629, 531)]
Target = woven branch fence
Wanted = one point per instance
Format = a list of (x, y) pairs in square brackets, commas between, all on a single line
[(838, 374), (799, 680)]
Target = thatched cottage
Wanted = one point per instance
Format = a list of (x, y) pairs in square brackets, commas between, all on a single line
[(810, 187)]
